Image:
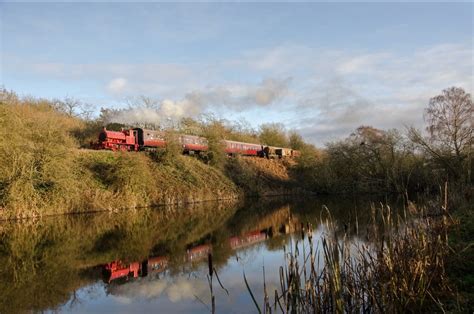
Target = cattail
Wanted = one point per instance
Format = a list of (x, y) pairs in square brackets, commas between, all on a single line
[(209, 264)]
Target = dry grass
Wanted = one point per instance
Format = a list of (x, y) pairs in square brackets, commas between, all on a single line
[(43, 173), (401, 268), (263, 177)]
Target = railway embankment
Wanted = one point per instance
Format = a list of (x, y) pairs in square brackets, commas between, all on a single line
[(103, 180), (44, 172)]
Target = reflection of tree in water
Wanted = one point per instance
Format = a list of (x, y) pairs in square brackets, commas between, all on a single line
[(43, 262), (277, 242)]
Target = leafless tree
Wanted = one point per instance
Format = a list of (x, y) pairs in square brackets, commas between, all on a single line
[(74, 108), (450, 127), (450, 121)]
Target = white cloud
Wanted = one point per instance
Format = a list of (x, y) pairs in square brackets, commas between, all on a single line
[(385, 90), (361, 63), (326, 93), (175, 289), (117, 85)]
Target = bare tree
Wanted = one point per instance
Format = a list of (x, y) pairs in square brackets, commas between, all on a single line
[(74, 108), (450, 125), (449, 118)]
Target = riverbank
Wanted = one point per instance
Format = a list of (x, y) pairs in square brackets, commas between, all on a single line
[(43, 170), (104, 181)]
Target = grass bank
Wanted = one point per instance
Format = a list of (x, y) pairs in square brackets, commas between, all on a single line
[(44, 172)]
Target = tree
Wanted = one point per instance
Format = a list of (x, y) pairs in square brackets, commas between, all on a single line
[(449, 118), (214, 131), (296, 140), (450, 123), (273, 134), (371, 159), (74, 108)]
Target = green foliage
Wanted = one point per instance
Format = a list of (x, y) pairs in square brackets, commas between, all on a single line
[(295, 141), (273, 134), (214, 131), (172, 150), (132, 178), (88, 133)]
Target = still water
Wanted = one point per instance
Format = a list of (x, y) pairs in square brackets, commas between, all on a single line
[(157, 260)]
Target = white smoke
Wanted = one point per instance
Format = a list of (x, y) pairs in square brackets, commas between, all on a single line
[(135, 116), (237, 97), (269, 91)]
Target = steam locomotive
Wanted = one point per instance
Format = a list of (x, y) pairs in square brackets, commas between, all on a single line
[(138, 139)]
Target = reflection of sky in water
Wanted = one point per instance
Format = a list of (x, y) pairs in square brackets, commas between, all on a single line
[(179, 293), (180, 286)]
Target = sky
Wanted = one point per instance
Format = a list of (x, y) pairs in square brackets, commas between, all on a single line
[(322, 69)]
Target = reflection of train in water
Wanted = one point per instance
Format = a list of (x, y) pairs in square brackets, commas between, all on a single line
[(142, 139), (248, 239), (268, 226), (154, 265)]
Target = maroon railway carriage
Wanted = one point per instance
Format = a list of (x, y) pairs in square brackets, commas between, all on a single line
[(193, 144), (149, 138), (240, 148)]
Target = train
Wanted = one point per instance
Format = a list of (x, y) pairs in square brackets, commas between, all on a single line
[(118, 269), (139, 139)]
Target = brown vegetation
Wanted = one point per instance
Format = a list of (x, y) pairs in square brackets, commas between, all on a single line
[(402, 268), (43, 172)]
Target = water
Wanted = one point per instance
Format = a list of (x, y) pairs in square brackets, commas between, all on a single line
[(157, 260)]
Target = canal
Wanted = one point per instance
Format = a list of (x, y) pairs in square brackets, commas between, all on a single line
[(157, 260)]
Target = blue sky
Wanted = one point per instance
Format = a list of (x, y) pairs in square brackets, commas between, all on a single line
[(321, 68)]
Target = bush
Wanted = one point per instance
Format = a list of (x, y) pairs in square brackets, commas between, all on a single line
[(37, 157)]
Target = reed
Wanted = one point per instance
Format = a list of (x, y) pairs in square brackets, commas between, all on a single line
[(401, 268)]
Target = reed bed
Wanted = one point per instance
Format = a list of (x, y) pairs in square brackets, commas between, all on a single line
[(399, 268)]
